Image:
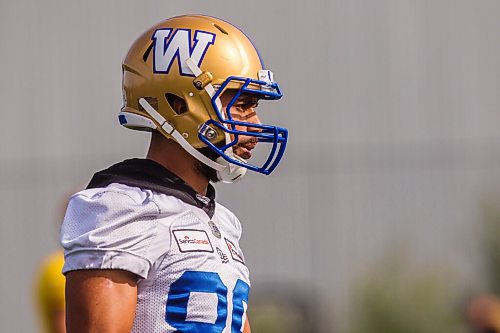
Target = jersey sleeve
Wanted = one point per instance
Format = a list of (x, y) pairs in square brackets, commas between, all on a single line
[(113, 228)]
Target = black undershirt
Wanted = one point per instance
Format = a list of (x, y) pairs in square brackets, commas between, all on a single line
[(150, 175)]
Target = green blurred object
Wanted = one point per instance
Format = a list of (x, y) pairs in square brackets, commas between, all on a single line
[(283, 308), (490, 242), (276, 318), (392, 300)]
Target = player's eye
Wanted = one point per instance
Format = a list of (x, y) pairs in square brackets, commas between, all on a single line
[(246, 105)]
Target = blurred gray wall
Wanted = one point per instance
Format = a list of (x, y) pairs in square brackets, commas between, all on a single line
[(393, 111)]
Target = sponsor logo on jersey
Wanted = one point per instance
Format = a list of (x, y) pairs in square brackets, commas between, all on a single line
[(235, 252), (179, 45), (192, 240), (223, 257)]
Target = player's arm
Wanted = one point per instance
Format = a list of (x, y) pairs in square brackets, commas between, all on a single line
[(100, 301), (246, 328)]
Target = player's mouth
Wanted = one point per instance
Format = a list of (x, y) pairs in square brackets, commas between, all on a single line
[(245, 150)]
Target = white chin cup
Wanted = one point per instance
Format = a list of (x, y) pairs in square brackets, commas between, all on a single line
[(232, 173)]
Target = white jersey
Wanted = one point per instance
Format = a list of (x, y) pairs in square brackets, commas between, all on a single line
[(192, 272)]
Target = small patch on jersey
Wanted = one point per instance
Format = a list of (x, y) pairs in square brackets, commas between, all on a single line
[(235, 252), (203, 199), (192, 240), (215, 229), (223, 257)]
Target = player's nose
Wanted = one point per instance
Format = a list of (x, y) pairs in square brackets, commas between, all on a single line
[(254, 119)]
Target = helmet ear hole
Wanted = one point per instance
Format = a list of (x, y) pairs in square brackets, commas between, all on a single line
[(177, 103)]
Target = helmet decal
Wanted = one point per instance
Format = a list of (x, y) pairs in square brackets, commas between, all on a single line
[(179, 47)]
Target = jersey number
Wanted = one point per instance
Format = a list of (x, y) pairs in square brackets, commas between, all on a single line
[(207, 282)]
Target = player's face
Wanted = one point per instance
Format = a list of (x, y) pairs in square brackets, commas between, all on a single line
[(244, 109)]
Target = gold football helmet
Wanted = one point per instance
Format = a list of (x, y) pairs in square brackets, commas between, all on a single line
[(49, 293), (197, 58)]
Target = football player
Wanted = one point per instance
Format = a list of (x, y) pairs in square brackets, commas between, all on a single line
[(147, 248), (49, 293)]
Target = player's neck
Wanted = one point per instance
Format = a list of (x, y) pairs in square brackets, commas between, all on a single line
[(171, 155)]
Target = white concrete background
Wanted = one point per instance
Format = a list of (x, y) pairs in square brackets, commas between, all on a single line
[(392, 106)]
